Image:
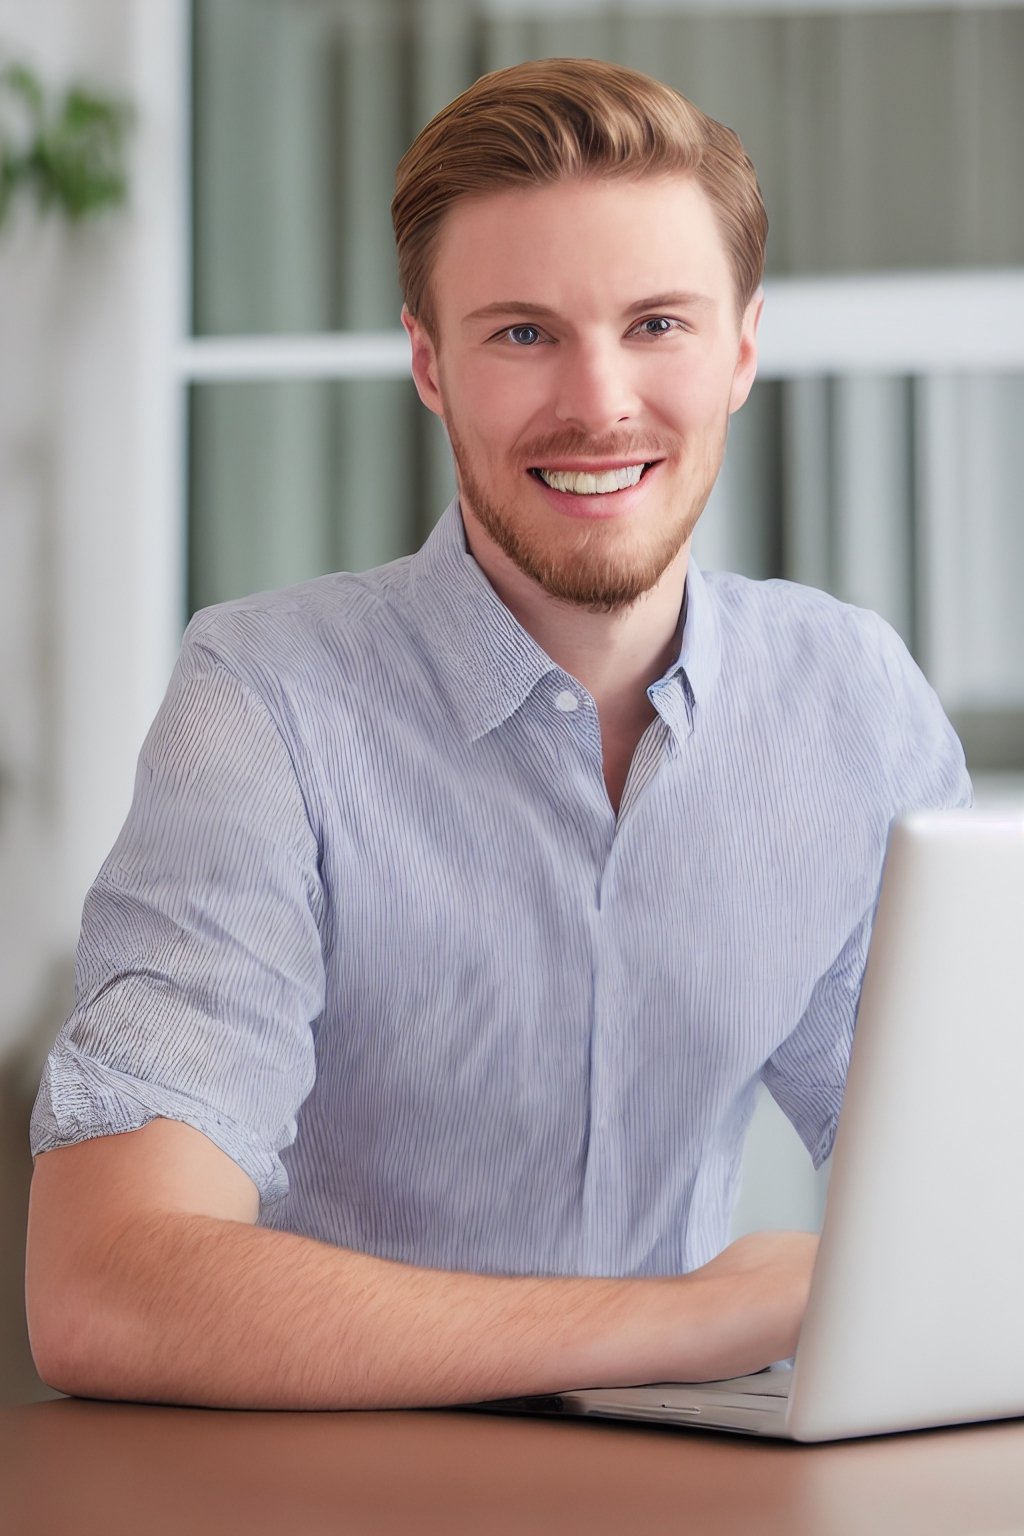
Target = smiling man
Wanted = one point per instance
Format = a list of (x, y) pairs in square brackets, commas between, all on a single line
[(464, 904)]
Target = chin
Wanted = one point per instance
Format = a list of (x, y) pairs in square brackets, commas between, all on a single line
[(602, 581)]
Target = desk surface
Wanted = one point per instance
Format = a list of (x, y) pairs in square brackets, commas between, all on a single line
[(123, 1470)]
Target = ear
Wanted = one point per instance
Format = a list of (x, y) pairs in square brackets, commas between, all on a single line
[(746, 359), (424, 363)]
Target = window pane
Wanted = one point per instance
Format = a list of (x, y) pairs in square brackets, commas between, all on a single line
[(291, 480), (882, 139)]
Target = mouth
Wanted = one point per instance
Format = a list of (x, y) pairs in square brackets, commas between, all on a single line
[(588, 482)]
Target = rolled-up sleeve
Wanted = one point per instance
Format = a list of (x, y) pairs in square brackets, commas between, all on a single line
[(199, 975), (807, 1074)]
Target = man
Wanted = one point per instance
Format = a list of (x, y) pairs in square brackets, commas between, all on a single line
[(463, 905)]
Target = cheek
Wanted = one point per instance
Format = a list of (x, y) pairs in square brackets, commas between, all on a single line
[(493, 411), (701, 395)]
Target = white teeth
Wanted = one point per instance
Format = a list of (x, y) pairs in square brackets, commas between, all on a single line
[(580, 483)]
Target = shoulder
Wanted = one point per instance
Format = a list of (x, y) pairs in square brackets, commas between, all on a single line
[(837, 672), (296, 637), (788, 616), (804, 637)]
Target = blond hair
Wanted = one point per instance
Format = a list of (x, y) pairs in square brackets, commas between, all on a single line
[(551, 119)]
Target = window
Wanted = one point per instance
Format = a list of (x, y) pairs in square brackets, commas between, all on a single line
[(879, 453)]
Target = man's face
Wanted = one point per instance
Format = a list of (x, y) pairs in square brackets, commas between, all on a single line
[(588, 356)]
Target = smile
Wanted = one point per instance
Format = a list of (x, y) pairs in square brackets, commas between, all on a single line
[(578, 482)]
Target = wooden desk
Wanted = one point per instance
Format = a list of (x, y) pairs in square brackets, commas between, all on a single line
[(99, 1469)]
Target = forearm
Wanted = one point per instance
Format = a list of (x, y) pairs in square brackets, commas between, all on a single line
[(176, 1307), (195, 1309)]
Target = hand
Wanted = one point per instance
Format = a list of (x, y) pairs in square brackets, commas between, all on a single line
[(757, 1294)]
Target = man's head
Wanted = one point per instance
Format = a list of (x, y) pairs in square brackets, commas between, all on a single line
[(581, 252), (556, 120)]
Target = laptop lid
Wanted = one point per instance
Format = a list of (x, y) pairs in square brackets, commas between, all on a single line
[(915, 1315)]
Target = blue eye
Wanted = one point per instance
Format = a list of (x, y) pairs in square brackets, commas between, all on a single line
[(523, 335), (658, 325)]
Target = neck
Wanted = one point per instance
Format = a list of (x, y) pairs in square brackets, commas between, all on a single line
[(617, 655)]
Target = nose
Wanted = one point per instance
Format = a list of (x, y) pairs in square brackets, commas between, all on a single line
[(596, 388)]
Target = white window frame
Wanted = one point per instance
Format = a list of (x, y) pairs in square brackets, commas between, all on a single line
[(880, 323)]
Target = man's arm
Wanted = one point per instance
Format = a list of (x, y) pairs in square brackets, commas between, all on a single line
[(148, 1279)]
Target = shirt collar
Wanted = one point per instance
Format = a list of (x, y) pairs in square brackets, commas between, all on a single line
[(691, 676), (700, 654), (491, 664)]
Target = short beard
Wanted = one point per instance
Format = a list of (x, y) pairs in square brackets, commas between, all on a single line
[(582, 572)]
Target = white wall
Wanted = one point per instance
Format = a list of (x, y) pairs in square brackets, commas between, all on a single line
[(90, 567)]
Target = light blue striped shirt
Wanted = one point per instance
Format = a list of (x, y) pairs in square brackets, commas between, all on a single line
[(373, 927)]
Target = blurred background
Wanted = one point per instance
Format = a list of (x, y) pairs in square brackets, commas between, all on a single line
[(204, 390)]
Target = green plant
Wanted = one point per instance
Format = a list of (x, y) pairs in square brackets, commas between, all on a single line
[(69, 151)]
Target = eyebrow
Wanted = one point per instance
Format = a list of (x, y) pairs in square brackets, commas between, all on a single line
[(678, 299)]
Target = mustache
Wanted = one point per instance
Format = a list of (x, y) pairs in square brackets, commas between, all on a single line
[(541, 451)]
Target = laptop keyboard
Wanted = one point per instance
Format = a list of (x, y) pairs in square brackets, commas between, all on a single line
[(761, 1388)]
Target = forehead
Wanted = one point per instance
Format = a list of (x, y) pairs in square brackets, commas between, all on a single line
[(586, 242)]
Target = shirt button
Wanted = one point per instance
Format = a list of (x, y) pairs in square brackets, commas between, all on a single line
[(566, 701)]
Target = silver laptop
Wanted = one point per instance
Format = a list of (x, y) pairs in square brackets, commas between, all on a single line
[(916, 1310)]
